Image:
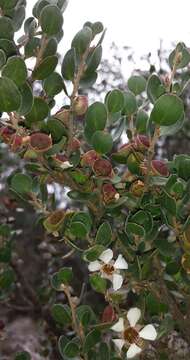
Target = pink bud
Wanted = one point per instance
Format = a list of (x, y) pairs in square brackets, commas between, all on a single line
[(74, 145), (40, 142), (6, 134), (109, 193), (103, 168), (89, 158), (141, 142), (159, 167), (16, 142), (108, 314), (80, 105)]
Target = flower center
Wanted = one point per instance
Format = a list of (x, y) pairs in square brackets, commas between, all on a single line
[(131, 335), (108, 269)]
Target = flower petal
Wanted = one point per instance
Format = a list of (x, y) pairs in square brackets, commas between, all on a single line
[(118, 326), (121, 263), (106, 256), (148, 332), (133, 351), (119, 343), (133, 316), (117, 281), (94, 266)]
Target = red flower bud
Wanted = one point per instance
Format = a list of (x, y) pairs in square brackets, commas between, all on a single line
[(137, 188), (74, 145), (6, 134), (159, 167), (80, 105), (64, 116), (141, 142), (103, 168), (109, 193), (89, 158), (108, 314), (40, 142), (62, 161), (16, 142)]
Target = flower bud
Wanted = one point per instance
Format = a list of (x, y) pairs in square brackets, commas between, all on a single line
[(64, 116), (134, 162), (141, 143), (40, 142), (108, 314), (137, 188), (62, 161), (80, 105), (74, 145), (89, 158), (109, 193), (103, 168), (16, 142), (54, 221), (6, 134), (159, 167)]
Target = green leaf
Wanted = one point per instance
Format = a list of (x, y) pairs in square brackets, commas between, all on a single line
[(115, 101), (39, 5), (82, 40), (31, 47), (104, 234), (92, 338), (2, 58), (23, 355), (10, 97), (141, 122), (8, 4), (78, 229), (164, 247), (169, 203), (144, 219), (172, 129), (83, 217), (97, 27), (27, 99), (93, 253), (16, 70), (18, 18), (104, 353), (61, 314), (85, 315), (55, 25), (45, 68), (88, 80), (98, 283), (68, 67), (8, 47), (71, 349), (93, 60), (102, 142), (136, 84), (184, 54), (173, 267), (167, 110), (51, 48), (56, 129), (130, 106), (65, 275), (21, 183), (39, 110), (6, 28), (135, 229), (96, 117), (53, 84), (155, 88)]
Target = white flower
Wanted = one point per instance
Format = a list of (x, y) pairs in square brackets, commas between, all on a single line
[(130, 333), (109, 268)]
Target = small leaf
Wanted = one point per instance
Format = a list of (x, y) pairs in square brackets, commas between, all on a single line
[(141, 122), (6, 28), (31, 47), (136, 84), (21, 183), (102, 142), (39, 110), (68, 67), (135, 229), (155, 88), (115, 101), (55, 25), (65, 275), (27, 99), (23, 355), (78, 229), (61, 314), (15, 69), (82, 40), (182, 51), (96, 117), (167, 110), (8, 47), (104, 234), (98, 283), (130, 106), (92, 338), (10, 97), (51, 48), (2, 58), (45, 68), (93, 253), (93, 60), (53, 84), (71, 349)]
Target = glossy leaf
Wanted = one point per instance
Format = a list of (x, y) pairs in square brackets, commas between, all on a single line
[(68, 67), (15, 69), (130, 106), (136, 84), (115, 101), (167, 110), (53, 84), (55, 25), (10, 97), (45, 68), (102, 142)]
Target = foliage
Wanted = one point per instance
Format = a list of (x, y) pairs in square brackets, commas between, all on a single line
[(126, 215)]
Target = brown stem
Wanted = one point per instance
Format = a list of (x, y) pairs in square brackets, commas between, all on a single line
[(150, 156)]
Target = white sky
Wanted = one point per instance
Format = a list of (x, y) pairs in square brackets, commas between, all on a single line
[(136, 23)]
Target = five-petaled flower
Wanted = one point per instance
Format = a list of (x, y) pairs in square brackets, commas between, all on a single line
[(132, 334), (110, 269)]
